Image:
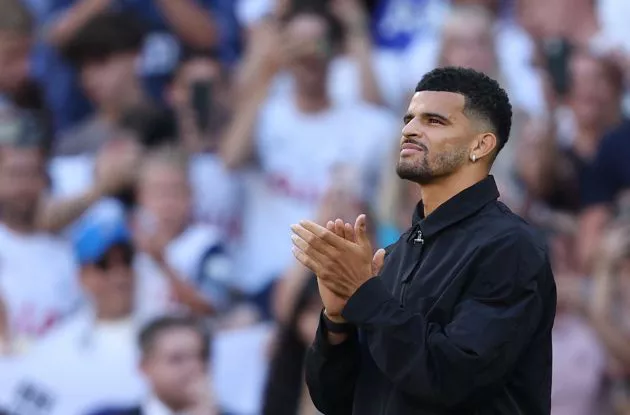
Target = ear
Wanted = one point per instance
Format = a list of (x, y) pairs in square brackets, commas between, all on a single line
[(483, 146)]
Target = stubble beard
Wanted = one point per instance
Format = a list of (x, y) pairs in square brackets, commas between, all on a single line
[(423, 172)]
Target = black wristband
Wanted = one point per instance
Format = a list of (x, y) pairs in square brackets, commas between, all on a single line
[(333, 327)]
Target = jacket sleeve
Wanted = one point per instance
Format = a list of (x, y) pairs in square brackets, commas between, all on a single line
[(494, 321), (331, 372)]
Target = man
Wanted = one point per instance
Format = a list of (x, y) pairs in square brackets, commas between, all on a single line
[(180, 265), (95, 349), (458, 318), (37, 271), (175, 353), (105, 52)]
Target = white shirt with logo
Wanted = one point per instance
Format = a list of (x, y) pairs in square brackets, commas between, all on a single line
[(38, 282), (297, 153)]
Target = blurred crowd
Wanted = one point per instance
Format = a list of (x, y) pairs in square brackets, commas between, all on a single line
[(154, 153)]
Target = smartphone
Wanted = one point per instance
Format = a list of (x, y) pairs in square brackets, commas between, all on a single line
[(557, 55), (201, 98)]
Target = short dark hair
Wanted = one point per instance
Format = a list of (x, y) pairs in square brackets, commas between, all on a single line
[(150, 332), (104, 35), (15, 17), (485, 99)]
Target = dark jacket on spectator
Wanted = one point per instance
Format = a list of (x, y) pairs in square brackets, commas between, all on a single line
[(458, 322)]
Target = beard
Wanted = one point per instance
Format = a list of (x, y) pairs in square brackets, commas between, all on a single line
[(423, 171)]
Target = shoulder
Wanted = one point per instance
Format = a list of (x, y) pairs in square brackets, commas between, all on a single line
[(509, 233), (615, 142)]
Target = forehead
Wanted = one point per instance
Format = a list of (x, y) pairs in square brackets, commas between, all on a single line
[(177, 338), (448, 104)]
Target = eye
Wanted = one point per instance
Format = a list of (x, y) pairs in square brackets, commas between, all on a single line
[(434, 120)]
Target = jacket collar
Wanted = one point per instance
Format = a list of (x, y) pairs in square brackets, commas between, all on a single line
[(462, 205)]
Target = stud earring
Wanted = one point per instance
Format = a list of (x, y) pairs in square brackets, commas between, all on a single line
[(473, 158)]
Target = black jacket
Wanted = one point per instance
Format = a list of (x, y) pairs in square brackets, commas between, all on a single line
[(458, 321)]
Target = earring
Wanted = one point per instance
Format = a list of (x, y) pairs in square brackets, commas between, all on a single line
[(473, 158)]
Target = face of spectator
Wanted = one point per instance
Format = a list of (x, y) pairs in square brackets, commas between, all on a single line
[(108, 82), (308, 52), (110, 283), (436, 137), (174, 363), (164, 192), (22, 181), (14, 61), (594, 97), (469, 43)]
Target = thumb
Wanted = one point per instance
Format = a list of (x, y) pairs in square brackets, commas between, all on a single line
[(377, 261), (360, 231)]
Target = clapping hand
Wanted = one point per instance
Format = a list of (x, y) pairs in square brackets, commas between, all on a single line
[(342, 263)]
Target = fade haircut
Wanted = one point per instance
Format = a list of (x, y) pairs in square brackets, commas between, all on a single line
[(149, 334), (104, 35), (15, 18), (485, 100)]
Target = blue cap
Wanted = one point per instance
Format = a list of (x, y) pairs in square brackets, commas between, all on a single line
[(98, 231)]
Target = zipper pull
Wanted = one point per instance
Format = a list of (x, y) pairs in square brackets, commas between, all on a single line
[(418, 239)]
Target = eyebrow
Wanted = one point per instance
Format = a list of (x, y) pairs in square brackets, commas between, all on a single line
[(409, 116)]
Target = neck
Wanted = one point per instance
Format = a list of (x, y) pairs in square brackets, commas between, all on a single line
[(439, 191), (105, 317), (313, 102)]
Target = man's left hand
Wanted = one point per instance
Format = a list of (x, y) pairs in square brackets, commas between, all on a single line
[(341, 264)]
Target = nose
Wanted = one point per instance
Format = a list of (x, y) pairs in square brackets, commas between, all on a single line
[(412, 130)]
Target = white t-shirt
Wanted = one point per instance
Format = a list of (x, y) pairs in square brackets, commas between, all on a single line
[(38, 282), (79, 367), (217, 194), (199, 258), (296, 153)]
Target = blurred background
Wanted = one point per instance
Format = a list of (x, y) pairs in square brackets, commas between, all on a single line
[(153, 154)]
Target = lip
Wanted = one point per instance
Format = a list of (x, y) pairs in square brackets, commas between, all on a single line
[(409, 148)]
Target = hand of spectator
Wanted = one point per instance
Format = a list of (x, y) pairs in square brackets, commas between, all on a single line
[(116, 166), (615, 244), (153, 245), (352, 15), (266, 45), (200, 393)]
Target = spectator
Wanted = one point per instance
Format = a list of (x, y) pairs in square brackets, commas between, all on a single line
[(179, 264), (556, 157), (169, 25), (95, 349), (105, 52), (201, 96), (354, 69), (38, 274), (297, 139), (175, 357)]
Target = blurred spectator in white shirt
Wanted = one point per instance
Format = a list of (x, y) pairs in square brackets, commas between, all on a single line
[(37, 271), (297, 141), (179, 264), (91, 358)]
